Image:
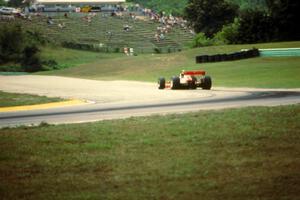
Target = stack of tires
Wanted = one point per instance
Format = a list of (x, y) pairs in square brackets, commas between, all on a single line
[(228, 57)]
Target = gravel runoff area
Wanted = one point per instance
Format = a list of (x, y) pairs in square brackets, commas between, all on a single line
[(109, 91)]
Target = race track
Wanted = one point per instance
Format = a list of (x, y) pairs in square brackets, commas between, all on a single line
[(122, 99)]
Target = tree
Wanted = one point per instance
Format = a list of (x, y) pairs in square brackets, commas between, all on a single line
[(15, 3), (209, 16), (254, 26), (19, 47), (11, 42), (285, 15), (31, 61), (228, 34), (174, 7), (2, 3), (250, 4)]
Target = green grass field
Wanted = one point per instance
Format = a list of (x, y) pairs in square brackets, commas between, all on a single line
[(281, 72), (13, 99), (249, 153), (71, 58)]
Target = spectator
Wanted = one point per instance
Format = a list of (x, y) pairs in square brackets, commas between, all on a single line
[(126, 27), (156, 36), (126, 51), (109, 35), (133, 16), (137, 7), (88, 18), (49, 21), (131, 51), (61, 26), (162, 36)]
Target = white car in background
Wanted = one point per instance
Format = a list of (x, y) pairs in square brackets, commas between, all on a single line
[(8, 11)]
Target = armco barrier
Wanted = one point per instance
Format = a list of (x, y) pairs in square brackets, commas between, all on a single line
[(279, 52), (228, 57)]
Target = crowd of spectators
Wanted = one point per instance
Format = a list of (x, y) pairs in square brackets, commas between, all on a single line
[(166, 22), (128, 51)]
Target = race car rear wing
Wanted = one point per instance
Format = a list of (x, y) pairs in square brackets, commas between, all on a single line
[(194, 73)]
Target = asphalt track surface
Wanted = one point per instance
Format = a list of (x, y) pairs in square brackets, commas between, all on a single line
[(217, 98)]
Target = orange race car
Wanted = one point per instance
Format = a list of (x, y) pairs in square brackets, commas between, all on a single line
[(187, 80)]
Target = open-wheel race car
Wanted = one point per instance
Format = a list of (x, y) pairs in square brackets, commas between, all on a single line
[(187, 80)]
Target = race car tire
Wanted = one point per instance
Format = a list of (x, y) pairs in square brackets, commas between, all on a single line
[(206, 83), (161, 83), (192, 84), (175, 83)]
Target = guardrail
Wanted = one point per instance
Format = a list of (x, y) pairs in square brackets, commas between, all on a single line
[(279, 52)]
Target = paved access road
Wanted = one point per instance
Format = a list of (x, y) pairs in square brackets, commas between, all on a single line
[(122, 99)]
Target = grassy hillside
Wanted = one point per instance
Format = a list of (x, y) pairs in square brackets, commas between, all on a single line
[(258, 72), (250, 153), (70, 57), (106, 30)]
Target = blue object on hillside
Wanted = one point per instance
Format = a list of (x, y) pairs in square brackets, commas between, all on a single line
[(279, 52), (13, 73)]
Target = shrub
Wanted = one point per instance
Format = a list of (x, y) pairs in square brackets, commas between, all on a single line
[(35, 37), (228, 34), (11, 68), (50, 64), (117, 50), (201, 40), (157, 50), (31, 60)]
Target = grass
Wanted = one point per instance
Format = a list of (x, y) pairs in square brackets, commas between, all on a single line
[(13, 99), (64, 57), (71, 58), (279, 72), (248, 153)]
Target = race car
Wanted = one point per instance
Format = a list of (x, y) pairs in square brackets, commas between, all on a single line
[(187, 80)]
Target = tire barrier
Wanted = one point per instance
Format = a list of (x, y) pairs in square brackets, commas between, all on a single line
[(228, 57)]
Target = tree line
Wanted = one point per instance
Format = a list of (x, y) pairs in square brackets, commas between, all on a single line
[(176, 7), (220, 21)]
